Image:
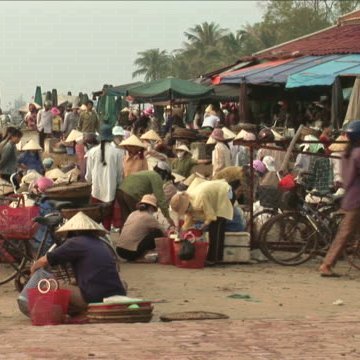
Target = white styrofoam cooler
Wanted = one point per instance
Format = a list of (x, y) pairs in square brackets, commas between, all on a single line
[(236, 247)]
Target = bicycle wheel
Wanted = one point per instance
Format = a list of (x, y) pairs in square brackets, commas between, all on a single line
[(13, 257), (259, 219), (288, 239)]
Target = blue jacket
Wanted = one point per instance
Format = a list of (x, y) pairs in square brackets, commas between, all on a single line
[(32, 161)]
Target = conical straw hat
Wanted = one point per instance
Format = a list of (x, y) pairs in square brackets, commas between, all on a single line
[(183, 148), (339, 147), (54, 174), (178, 177), (79, 222), (192, 177), (133, 140), (228, 135), (31, 176), (31, 145), (151, 135), (277, 136), (74, 135)]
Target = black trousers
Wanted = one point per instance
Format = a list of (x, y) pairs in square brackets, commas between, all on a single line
[(127, 205), (42, 137), (146, 244), (216, 240)]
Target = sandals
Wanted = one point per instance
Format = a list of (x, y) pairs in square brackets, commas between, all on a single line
[(326, 272), (330, 274)]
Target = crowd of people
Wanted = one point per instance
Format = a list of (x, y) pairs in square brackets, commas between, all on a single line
[(140, 171)]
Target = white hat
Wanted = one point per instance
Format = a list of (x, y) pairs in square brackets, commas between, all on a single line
[(269, 163), (32, 175), (133, 140), (79, 222), (74, 135), (118, 131), (31, 145), (125, 109), (277, 136), (245, 135), (54, 174), (183, 148), (178, 177), (150, 135)]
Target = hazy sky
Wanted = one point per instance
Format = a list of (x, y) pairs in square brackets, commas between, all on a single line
[(80, 45)]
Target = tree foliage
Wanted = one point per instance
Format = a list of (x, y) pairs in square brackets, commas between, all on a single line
[(208, 46)]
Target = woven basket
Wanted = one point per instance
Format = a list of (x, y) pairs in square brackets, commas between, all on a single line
[(95, 212), (74, 190)]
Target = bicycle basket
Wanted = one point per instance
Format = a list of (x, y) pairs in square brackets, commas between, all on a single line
[(289, 200), (17, 222), (270, 196)]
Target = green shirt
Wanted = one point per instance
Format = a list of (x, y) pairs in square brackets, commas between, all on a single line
[(183, 166), (146, 182), (88, 122)]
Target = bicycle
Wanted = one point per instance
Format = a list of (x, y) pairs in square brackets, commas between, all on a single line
[(294, 237), (19, 248), (16, 255)]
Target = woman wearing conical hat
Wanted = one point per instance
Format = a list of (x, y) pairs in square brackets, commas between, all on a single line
[(184, 162), (104, 170), (30, 159), (140, 230), (221, 155), (134, 160), (92, 259)]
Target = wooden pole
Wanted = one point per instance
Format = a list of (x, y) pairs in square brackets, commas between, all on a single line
[(289, 150)]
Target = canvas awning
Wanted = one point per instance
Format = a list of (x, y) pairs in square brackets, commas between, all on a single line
[(169, 89), (122, 90), (324, 74), (275, 72), (240, 76)]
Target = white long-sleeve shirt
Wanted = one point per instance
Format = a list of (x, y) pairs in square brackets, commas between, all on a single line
[(44, 121), (105, 179)]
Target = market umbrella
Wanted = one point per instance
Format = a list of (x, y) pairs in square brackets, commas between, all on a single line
[(54, 97), (353, 110), (121, 90), (38, 96), (169, 89), (337, 101), (110, 110)]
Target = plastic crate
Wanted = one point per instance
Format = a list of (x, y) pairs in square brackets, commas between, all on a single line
[(236, 247)]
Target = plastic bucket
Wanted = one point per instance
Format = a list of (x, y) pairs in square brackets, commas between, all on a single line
[(198, 262), (165, 250), (49, 308)]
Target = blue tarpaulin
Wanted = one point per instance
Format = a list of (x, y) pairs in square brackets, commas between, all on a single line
[(274, 71), (325, 74)]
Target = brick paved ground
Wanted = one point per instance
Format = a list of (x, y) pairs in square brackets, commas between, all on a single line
[(330, 338)]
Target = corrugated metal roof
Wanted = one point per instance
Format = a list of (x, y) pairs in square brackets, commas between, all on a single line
[(325, 74), (242, 73), (342, 39)]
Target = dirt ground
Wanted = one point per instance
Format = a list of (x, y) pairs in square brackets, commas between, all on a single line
[(274, 291)]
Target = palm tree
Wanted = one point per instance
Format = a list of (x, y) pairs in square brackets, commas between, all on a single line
[(232, 46), (203, 47), (204, 35), (153, 64)]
